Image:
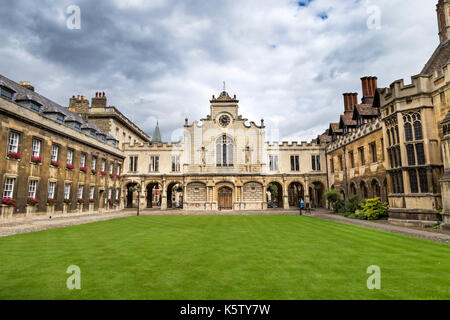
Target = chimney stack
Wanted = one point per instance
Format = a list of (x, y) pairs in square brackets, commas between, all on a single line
[(79, 104), (99, 101), (350, 100), (27, 84), (369, 87)]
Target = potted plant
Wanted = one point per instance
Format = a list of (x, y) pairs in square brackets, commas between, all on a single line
[(55, 164), (14, 155), (36, 160), (10, 202), (94, 172), (51, 201), (32, 201), (83, 169), (70, 166), (132, 189)]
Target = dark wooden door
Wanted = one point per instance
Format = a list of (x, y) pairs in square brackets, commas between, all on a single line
[(225, 199)]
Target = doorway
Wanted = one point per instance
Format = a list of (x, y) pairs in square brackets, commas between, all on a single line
[(225, 199)]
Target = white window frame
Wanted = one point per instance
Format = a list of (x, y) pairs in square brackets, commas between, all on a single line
[(80, 192), (154, 163), (35, 147), (118, 169), (103, 165), (8, 189), (83, 160), (109, 193), (176, 163), (117, 194), (51, 190), (67, 188), (32, 188), (13, 142), (91, 192), (69, 156), (55, 152), (94, 162), (273, 162), (111, 168)]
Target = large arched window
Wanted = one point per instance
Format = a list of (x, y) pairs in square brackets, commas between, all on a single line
[(224, 151)]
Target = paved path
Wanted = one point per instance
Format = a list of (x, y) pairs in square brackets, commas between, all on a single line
[(386, 226), (25, 225)]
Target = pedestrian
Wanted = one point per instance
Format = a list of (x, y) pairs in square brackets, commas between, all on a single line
[(302, 205)]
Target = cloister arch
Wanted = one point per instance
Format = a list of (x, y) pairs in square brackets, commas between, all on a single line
[(295, 193), (274, 195)]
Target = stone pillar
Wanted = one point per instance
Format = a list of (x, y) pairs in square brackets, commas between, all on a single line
[(164, 196), (285, 195), (264, 196)]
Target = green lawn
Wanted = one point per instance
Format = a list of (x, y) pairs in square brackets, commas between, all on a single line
[(221, 257)]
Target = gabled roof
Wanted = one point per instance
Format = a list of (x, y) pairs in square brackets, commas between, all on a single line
[(334, 128), (365, 110), (346, 120), (439, 59)]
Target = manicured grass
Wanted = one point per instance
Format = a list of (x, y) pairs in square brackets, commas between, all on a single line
[(221, 257)]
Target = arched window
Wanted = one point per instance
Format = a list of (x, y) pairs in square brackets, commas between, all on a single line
[(408, 132), (224, 151), (418, 130)]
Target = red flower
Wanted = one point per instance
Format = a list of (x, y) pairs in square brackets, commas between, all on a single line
[(14, 155), (70, 166), (54, 164), (36, 160), (10, 202), (83, 169)]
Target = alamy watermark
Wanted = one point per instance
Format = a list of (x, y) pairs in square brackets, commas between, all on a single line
[(374, 20), (74, 281), (374, 281), (73, 21)]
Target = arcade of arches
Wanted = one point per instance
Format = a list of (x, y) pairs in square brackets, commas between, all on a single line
[(224, 194)]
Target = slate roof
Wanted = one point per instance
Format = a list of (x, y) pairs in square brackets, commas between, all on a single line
[(347, 120), (48, 106), (365, 110), (439, 59)]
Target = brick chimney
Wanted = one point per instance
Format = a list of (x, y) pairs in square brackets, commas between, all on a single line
[(350, 100), (99, 101), (79, 104), (26, 84), (369, 87)]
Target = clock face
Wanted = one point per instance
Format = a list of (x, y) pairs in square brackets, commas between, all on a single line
[(224, 120)]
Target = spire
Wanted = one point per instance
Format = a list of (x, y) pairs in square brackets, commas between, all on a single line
[(156, 134)]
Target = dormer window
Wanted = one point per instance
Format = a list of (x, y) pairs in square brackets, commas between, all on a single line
[(6, 93), (60, 117), (77, 126), (93, 133), (34, 106)]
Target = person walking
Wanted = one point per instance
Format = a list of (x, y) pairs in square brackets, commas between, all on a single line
[(302, 205)]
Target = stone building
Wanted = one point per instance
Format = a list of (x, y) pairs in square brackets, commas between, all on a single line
[(48, 154), (108, 119), (355, 152), (225, 163)]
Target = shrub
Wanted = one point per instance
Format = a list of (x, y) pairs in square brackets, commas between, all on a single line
[(352, 204), (333, 196), (374, 209)]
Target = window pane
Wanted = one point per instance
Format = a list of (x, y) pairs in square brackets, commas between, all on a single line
[(411, 155), (413, 181), (418, 130), (423, 180), (420, 154), (408, 132)]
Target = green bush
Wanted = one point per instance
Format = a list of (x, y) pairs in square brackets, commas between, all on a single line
[(333, 197), (374, 209)]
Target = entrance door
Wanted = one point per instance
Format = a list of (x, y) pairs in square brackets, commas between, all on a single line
[(225, 199)]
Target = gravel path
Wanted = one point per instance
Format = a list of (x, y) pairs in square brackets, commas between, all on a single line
[(33, 224), (386, 226)]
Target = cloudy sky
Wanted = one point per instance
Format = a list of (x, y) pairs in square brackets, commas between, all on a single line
[(161, 60)]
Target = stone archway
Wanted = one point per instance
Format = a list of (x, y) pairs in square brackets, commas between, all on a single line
[(225, 198), (364, 191), (295, 193), (376, 189), (317, 195), (154, 193), (174, 195), (274, 195), (131, 189)]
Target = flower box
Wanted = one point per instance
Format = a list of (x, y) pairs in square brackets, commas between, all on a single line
[(83, 169), (14, 155), (94, 172), (67, 201), (112, 175), (103, 173), (33, 202), (55, 164), (36, 160), (70, 166), (91, 200), (51, 201), (80, 201), (119, 177), (10, 202)]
